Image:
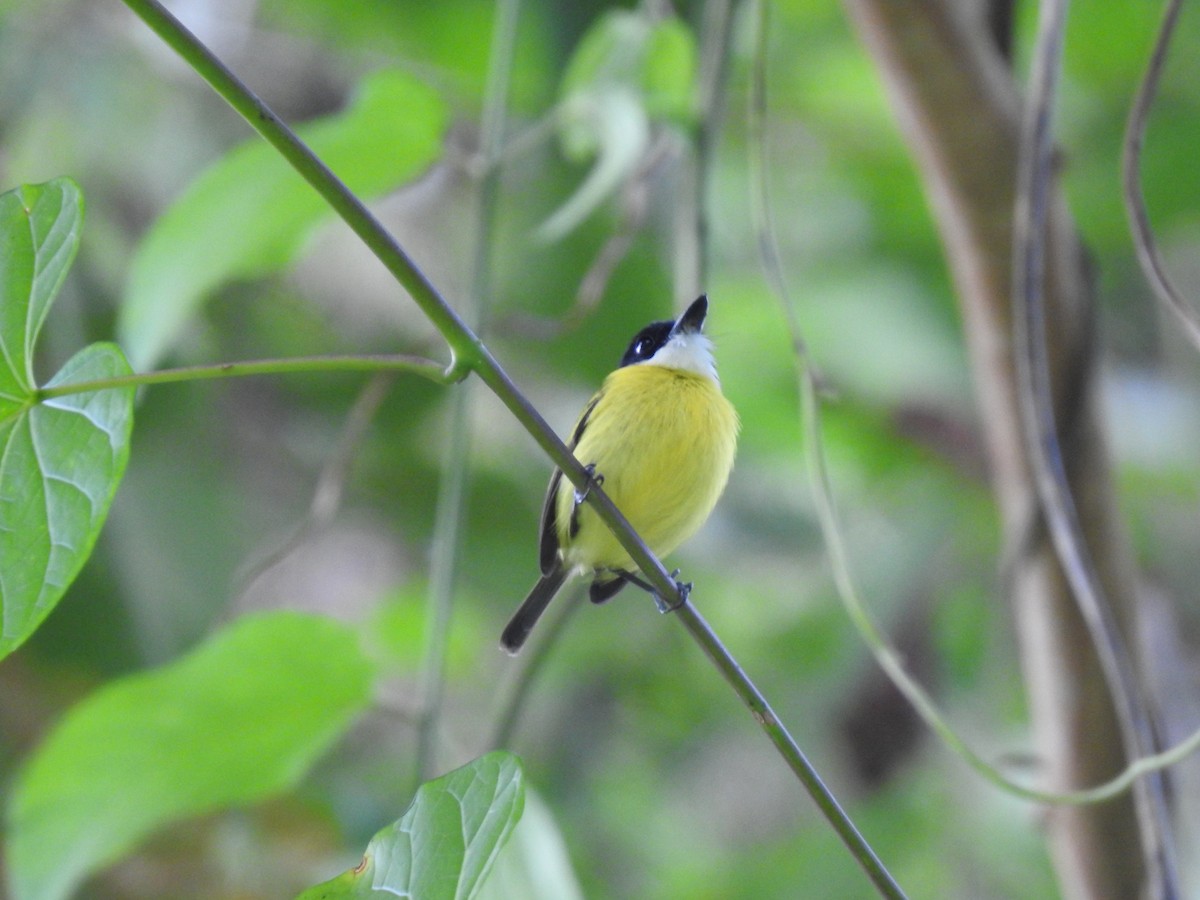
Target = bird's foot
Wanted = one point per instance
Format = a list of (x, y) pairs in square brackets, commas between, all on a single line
[(594, 478), (682, 588)]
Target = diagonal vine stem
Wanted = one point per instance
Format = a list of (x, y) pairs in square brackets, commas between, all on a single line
[(470, 352)]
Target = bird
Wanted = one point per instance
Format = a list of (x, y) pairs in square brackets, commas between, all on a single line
[(660, 437)]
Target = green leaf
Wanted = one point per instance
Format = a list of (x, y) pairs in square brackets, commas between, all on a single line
[(627, 71), (241, 717), (445, 844), (607, 60), (536, 865), (610, 52), (669, 71), (616, 120), (248, 214), (654, 58), (39, 234), (62, 460)]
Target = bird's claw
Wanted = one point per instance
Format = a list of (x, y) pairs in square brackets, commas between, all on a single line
[(683, 590), (594, 478)]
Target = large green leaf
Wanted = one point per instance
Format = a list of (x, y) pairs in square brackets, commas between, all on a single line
[(241, 717), (61, 460), (445, 844), (248, 214)]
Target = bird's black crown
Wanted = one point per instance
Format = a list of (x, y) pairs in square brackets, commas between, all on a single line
[(654, 336), (647, 342)]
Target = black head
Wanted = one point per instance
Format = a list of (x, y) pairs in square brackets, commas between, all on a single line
[(654, 336), (647, 342)]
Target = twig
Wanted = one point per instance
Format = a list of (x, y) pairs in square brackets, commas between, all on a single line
[(327, 494), (452, 495), (885, 654), (634, 204), (530, 664), (1135, 201), (809, 382), (756, 164)]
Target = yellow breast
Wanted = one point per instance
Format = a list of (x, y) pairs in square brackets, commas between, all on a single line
[(664, 440)]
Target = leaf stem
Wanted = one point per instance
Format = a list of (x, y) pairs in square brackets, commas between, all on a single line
[(415, 365)]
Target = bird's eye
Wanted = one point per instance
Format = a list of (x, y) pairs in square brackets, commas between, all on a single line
[(641, 347)]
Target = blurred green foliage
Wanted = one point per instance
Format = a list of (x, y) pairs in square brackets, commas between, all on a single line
[(659, 782), (239, 718)]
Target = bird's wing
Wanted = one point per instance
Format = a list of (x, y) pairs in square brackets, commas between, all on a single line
[(549, 528), (549, 543)]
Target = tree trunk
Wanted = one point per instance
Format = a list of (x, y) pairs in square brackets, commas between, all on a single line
[(959, 109)]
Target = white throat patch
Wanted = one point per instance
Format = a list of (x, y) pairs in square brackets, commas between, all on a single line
[(690, 351)]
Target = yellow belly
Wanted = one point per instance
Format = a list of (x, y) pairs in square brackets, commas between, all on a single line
[(664, 440)]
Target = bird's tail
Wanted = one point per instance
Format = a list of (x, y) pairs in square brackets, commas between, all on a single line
[(526, 616)]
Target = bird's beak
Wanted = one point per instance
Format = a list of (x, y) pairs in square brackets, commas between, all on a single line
[(692, 321)]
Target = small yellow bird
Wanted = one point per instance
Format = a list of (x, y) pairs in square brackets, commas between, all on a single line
[(660, 437)]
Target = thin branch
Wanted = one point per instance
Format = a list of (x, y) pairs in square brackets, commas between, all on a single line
[(530, 664), (413, 365), (454, 483), (958, 105), (760, 207), (1135, 201), (327, 494), (1034, 179), (716, 44)]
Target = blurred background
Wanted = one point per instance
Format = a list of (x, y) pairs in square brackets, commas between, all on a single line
[(657, 781)]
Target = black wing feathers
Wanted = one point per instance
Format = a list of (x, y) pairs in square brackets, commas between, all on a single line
[(548, 547)]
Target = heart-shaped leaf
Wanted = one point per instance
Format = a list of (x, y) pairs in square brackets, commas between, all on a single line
[(445, 844), (60, 460)]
